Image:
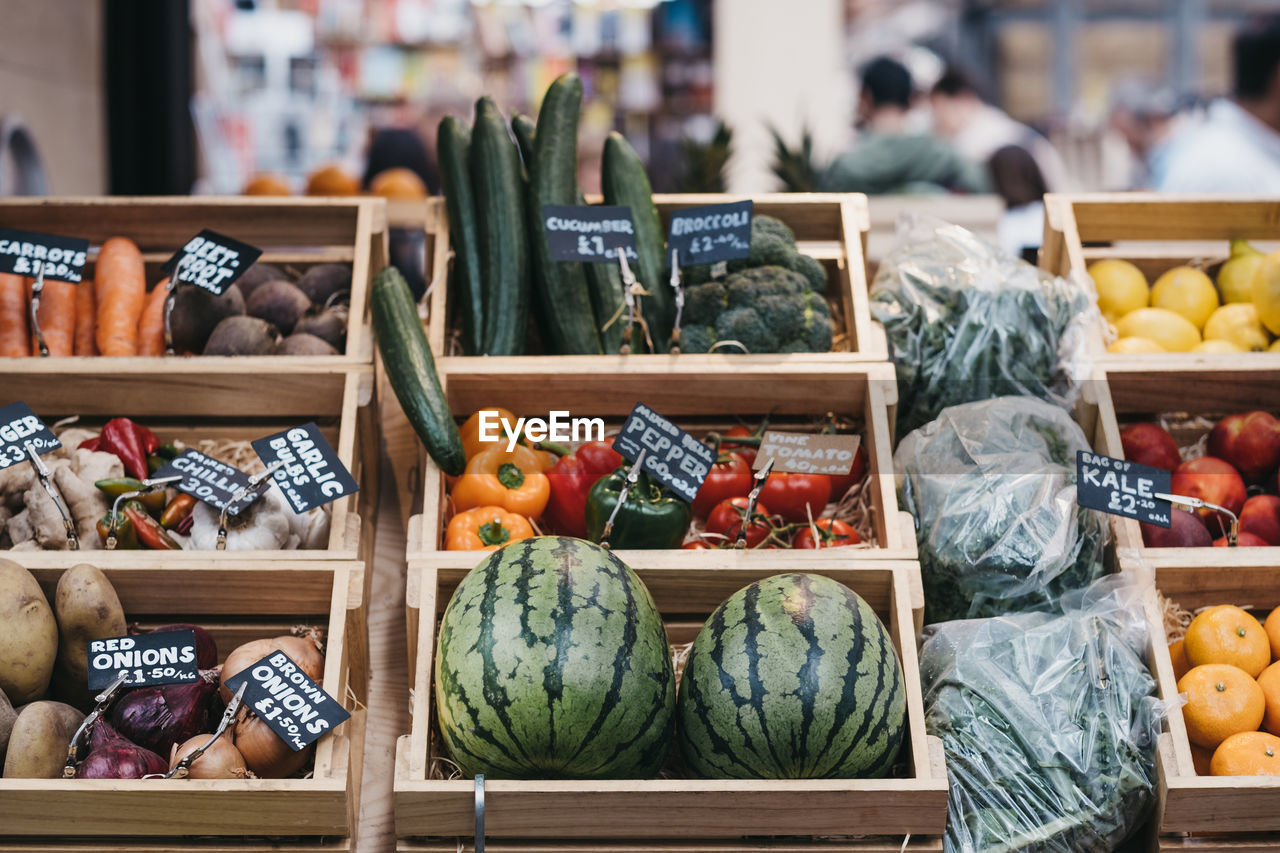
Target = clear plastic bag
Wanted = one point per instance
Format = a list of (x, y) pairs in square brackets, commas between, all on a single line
[(1049, 723), (968, 321), (992, 487)]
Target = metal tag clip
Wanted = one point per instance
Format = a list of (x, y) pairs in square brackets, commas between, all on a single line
[(1233, 530), (633, 477), (675, 285), (42, 473), (101, 703), (37, 288), (183, 768), (148, 486), (760, 477)]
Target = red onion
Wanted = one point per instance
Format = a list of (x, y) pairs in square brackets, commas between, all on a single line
[(114, 757), (159, 717), (206, 648)]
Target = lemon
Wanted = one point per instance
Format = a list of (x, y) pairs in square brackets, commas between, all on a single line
[(1121, 287), (1216, 346), (1135, 346), (1235, 278), (1186, 291), (1169, 329), (1266, 292), (1275, 346), (1237, 323)]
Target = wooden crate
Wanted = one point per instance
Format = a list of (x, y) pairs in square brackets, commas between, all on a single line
[(299, 232), (829, 226), (237, 602), (1157, 232), (1134, 393), (198, 401), (680, 390), (666, 810)]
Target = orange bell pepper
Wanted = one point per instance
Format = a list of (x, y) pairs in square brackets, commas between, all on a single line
[(513, 481), (485, 528), (470, 431)]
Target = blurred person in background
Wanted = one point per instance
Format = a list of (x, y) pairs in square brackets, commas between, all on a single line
[(1146, 116), (978, 129), (399, 148), (1017, 178), (1236, 149), (888, 157)]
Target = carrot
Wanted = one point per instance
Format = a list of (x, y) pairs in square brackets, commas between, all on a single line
[(151, 326), (120, 289), (57, 318), (86, 320), (15, 339)]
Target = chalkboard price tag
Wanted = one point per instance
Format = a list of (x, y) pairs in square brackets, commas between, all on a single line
[(167, 657), (1123, 488), (27, 252), (716, 232), (591, 234), (211, 261), (676, 459), (297, 709), (312, 474), (18, 427), (208, 480), (808, 453)]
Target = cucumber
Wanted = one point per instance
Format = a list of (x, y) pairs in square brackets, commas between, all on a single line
[(625, 182), (453, 144), (411, 370), (523, 127), (568, 324), (498, 181), (606, 301)]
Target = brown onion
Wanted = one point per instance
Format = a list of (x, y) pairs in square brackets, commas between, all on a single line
[(304, 652), (220, 761), (264, 752)]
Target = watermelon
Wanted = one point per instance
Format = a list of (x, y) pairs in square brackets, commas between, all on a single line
[(792, 677), (553, 663)]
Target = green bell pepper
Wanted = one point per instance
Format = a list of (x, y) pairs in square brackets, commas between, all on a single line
[(651, 517)]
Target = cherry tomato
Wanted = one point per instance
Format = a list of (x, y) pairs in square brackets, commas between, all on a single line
[(696, 545), (747, 453), (831, 533), (726, 519), (728, 479), (841, 485), (789, 494)]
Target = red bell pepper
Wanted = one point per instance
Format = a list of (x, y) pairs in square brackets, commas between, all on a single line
[(571, 480)]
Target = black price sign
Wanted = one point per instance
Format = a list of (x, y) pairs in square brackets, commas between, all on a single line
[(211, 261), (19, 426), (295, 707), (716, 232), (312, 475), (28, 252), (592, 234), (208, 480), (1123, 488), (168, 657), (676, 459)]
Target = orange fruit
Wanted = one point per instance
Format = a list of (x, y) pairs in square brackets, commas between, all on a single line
[(1202, 759), (265, 183), (1247, 754), (1269, 681), (331, 180), (1272, 627), (1227, 634), (1221, 700), (399, 184), (1178, 654)]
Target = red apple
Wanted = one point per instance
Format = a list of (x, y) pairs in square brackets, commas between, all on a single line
[(1249, 441), (1261, 517), (1149, 444), (1185, 531), (1211, 480), (1243, 540)]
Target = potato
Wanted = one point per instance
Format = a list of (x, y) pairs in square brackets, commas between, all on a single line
[(7, 718), (87, 608), (28, 635), (38, 744)]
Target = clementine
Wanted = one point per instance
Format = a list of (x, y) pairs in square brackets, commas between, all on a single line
[(1269, 681), (1247, 754), (1227, 634), (1272, 627), (1221, 701), (1178, 654), (332, 180), (399, 184), (266, 183)]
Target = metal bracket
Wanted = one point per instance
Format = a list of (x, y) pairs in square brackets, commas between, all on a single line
[(760, 477), (633, 477), (480, 813)]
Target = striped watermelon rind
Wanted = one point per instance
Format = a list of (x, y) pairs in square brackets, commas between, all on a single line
[(792, 677), (553, 663)]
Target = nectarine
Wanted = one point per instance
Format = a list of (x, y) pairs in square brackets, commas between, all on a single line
[(1243, 540), (1250, 441), (1212, 480), (1261, 517), (1148, 444)]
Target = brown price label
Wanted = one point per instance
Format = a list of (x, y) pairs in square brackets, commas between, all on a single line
[(808, 453)]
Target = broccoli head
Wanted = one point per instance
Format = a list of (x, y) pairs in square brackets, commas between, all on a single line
[(746, 287), (745, 326), (766, 249), (819, 331), (768, 225), (811, 269), (698, 338), (703, 303)]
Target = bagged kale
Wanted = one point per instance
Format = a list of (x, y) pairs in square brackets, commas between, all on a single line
[(1049, 723), (992, 487), (967, 321)]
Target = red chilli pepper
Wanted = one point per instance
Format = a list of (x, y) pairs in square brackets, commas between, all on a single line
[(150, 533), (127, 441), (178, 511), (571, 480)]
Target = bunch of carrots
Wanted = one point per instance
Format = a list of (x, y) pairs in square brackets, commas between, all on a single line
[(111, 315)]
